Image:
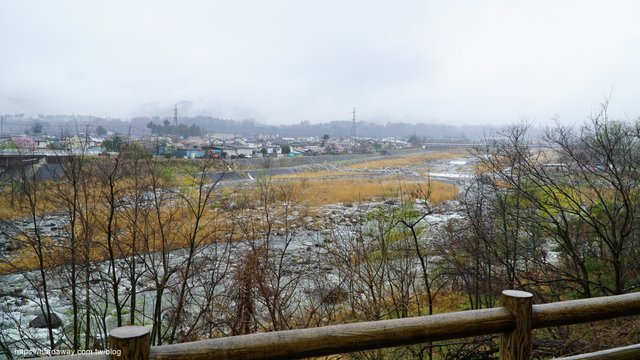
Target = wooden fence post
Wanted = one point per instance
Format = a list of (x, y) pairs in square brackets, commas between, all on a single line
[(130, 343), (516, 344)]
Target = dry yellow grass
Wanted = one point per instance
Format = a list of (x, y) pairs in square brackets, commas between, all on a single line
[(441, 191), (177, 222), (16, 205), (320, 192), (315, 174), (326, 187), (8, 212), (409, 160)]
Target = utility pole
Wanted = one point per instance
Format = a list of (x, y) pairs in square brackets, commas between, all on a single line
[(1, 125), (86, 136)]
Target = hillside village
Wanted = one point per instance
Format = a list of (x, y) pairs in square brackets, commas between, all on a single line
[(217, 145)]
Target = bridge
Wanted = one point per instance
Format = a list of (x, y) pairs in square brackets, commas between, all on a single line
[(437, 143), (13, 160)]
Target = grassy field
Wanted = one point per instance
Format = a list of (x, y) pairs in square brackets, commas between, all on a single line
[(410, 160), (349, 186), (330, 191), (308, 189), (315, 174), (399, 161)]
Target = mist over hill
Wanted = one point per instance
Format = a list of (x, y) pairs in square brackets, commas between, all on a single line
[(72, 124)]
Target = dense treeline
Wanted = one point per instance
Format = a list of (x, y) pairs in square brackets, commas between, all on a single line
[(193, 261), (167, 128), (73, 124)]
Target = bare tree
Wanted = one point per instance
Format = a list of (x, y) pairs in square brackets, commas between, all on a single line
[(270, 232), (67, 195), (159, 238), (574, 203), (200, 229), (33, 237)]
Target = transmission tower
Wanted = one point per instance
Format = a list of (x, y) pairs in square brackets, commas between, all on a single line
[(353, 124), (175, 120)]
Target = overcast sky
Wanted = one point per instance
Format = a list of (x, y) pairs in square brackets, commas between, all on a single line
[(453, 62)]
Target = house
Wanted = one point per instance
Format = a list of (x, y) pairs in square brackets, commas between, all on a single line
[(242, 141), (393, 143), (195, 142), (314, 150), (238, 150), (295, 152), (162, 149), (220, 136), (190, 153), (41, 143), (272, 150)]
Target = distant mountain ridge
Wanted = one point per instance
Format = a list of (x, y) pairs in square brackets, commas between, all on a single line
[(137, 126)]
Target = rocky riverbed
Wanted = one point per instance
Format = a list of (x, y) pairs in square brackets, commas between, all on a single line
[(21, 299), (305, 252)]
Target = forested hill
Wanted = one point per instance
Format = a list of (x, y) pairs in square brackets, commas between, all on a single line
[(138, 126)]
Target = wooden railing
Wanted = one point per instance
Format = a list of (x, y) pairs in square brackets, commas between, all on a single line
[(514, 321)]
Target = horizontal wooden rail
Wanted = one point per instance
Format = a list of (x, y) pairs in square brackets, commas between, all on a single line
[(631, 352), (585, 310), (335, 339), (514, 321)]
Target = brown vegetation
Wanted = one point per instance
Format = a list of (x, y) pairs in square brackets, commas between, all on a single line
[(410, 160), (563, 234), (331, 191)]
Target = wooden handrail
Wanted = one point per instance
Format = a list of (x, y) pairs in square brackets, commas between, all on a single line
[(514, 321), (335, 339), (631, 352), (585, 310), (516, 343)]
